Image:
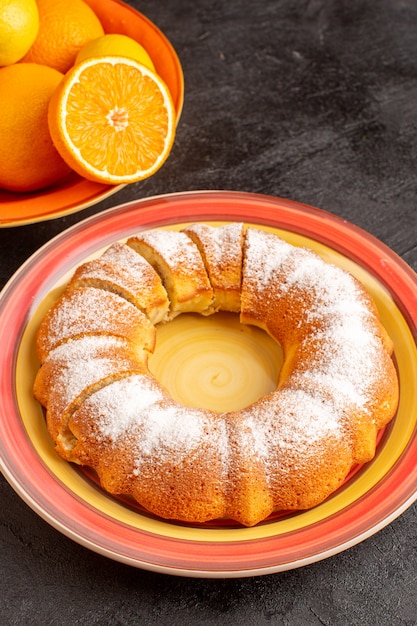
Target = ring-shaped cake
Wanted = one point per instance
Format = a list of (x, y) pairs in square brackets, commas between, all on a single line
[(289, 450)]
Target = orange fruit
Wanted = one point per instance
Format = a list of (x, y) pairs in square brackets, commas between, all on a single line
[(19, 25), (28, 159), (115, 44), (112, 120), (65, 26)]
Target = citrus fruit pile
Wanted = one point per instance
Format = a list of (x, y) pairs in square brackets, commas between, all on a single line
[(75, 98)]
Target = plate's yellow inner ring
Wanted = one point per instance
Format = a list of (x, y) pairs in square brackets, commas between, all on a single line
[(389, 451)]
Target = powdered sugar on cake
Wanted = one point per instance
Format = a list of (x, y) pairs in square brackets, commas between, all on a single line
[(222, 245), (348, 357), (137, 407), (88, 310), (290, 449), (300, 420), (267, 253), (86, 361), (175, 247)]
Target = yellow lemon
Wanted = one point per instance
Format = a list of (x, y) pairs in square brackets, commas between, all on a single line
[(19, 25), (115, 44)]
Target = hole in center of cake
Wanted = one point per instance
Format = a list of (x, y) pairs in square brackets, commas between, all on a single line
[(215, 362)]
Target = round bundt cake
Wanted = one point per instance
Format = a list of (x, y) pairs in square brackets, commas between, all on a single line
[(289, 450)]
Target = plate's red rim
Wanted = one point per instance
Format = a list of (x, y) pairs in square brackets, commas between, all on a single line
[(77, 519)]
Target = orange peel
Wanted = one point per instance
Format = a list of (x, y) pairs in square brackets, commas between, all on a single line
[(112, 120)]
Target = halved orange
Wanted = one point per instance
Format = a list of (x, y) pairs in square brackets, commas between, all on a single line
[(112, 120)]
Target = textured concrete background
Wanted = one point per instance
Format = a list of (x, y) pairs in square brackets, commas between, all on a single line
[(313, 100)]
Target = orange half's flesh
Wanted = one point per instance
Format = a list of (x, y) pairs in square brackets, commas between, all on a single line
[(112, 120)]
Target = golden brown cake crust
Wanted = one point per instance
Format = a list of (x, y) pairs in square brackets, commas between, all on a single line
[(92, 311), (138, 283), (178, 261), (289, 450), (222, 253)]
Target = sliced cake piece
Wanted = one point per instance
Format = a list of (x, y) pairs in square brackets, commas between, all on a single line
[(74, 370), (92, 311), (221, 249), (151, 295), (179, 263), (140, 284)]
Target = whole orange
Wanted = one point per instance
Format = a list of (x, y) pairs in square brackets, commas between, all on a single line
[(28, 158), (64, 28)]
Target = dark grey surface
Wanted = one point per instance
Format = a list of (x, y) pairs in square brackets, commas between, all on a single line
[(313, 100)]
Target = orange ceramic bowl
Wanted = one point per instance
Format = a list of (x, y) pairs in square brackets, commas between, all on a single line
[(75, 193)]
